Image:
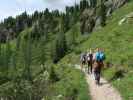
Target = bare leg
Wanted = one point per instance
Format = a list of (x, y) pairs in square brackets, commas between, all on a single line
[(88, 67), (81, 66), (91, 68)]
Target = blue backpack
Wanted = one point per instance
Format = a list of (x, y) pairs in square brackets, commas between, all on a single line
[(100, 56)]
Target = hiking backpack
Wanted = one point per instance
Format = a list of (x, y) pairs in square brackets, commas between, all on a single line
[(83, 57), (100, 56), (89, 56)]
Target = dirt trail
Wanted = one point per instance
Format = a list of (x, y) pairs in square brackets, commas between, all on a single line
[(103, 92)]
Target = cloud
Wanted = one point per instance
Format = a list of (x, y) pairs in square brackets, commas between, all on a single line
[(5, 14), (59, 4), (15, 7), (52, 1), (25, 1)]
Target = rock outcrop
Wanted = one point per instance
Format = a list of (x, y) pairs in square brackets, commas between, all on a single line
[(127, 19), (115, 3), (118, 3), (87, 21), (90, 20), (111, 5)]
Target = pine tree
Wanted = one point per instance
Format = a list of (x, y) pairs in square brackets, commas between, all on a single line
[(76, 12), (93, 3), (60, 45), (35, 16), (22, 21), (0, 53), (84, 4), (73, 35), (102, 13), (56, 13), (8, 54), (77, 8), (55, 52), (43, 51), (66, 22), (53, 76), (15, 57), (35, 34), (27, 46)]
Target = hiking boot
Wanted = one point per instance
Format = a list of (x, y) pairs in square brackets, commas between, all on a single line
[(96, 82)]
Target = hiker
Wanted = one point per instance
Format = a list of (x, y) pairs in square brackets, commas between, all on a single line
[(98, 64), (89, 59), (83, 59)]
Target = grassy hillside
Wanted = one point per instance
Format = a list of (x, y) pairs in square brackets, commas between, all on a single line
[(118, 45), (23, 76), (72, 85), (25, 58)]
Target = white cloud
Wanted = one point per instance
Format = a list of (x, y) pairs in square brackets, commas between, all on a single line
[(15, 7), (25, 1), (59, 4), (52, 1)]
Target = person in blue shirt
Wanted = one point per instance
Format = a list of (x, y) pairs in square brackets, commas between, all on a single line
[(98, 64)]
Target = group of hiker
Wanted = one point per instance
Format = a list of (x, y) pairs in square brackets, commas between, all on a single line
[(94, 61)]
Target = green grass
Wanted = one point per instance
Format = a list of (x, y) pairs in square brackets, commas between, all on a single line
[(117, 42), (72, 84), (124, 84)]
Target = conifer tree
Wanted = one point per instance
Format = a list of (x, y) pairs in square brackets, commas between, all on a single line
[(60, 45), (8, 54), (15, 57), (43, 51), (55, 52), (93, 3), (83, 5), (102, 13), (0, 54), (74, 35), (66, 22), (35, 34), (27, 46), (53, 76)]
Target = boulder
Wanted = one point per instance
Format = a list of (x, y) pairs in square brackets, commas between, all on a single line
[(122, 21), (97, 23), (130, 17), (127, 19)]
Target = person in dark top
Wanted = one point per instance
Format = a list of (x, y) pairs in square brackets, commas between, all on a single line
[(90, 60), (83, 60)]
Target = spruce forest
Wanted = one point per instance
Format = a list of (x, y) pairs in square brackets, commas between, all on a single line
[(38, 51)]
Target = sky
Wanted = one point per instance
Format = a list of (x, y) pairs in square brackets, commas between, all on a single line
[(16, 7)]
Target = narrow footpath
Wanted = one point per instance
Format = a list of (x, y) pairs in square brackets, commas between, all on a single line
[(103, 92)]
